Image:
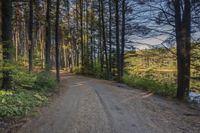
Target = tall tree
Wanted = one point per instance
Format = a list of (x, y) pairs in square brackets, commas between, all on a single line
[(104, 38), (117, 40), (6, 21), (81, 24), (57, 41), (30, 35), (122, 38), (48, 36), (183, 42), (110, 38)]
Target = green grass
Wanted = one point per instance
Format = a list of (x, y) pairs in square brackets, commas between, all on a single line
[(156, 87)]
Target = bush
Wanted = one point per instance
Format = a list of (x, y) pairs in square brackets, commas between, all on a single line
[(97, 71), (19, 103), (23, 79), (45, 81), (31, 90), (76, 70), (160, 88)]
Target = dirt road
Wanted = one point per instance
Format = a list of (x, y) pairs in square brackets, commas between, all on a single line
[(87, 105)]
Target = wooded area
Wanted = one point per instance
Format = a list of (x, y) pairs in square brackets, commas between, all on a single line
[(147, 44), (84, 36)]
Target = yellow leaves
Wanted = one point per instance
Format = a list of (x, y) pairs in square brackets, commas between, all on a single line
[(2, 92)]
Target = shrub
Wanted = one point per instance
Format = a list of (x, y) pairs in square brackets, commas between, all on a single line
[(97, 71), (153, 86), (31, 91), (76, 70), (45, 81), (23, 79), (19, 103)]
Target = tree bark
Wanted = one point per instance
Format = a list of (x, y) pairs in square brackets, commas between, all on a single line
[(122, 39), (7, 42), (104, 39), (183, 42), (57, 41), (117, 39), (30, 35), (48, 37), (110, 39)]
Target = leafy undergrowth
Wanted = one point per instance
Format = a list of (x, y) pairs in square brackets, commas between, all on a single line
[(156, 87), (20, 102), (31, 90)]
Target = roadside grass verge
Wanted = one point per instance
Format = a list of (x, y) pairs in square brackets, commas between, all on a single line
[(156, 87)]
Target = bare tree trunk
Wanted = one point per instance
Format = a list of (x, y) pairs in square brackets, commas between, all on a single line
[(110, 39), (57, 42), (82, 49), (48, 36), (117, 39), (183, 40), (123, 39), (104, 39), (6, 10), (30, 49)]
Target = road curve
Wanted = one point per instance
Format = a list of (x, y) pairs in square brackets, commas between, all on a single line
[(86, 105)]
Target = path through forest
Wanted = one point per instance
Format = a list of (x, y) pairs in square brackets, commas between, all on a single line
[(87, 105)]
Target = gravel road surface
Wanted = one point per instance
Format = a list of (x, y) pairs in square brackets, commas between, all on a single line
[(87, 105)]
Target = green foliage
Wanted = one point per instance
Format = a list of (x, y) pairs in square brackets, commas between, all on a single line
[(97, 71), (23, 79), (31, 91), (94, 71), (20, 102), (45, 81), (76, 70), (160, 88), (160, 65)]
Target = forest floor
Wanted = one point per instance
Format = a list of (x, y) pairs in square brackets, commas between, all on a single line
[(87, 105)]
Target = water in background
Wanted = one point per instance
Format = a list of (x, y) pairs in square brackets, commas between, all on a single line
[(194, 97)]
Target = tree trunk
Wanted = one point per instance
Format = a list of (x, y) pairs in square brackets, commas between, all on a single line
[(183, 41), (57, 42), (6, 10), (110, 40), (117, 39), (48, 37), (104, 39), (122, 39), (30, 35)]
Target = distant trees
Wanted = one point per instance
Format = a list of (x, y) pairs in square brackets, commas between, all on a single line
[(101, 49), (175, 17), (90, 36)]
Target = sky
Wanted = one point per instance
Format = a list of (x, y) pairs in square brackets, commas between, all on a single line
[(148, 32)]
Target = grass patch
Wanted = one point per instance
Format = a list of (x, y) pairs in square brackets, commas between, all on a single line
[(156, 87)]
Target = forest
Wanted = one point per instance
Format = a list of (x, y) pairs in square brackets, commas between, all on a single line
[(152, 45)]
